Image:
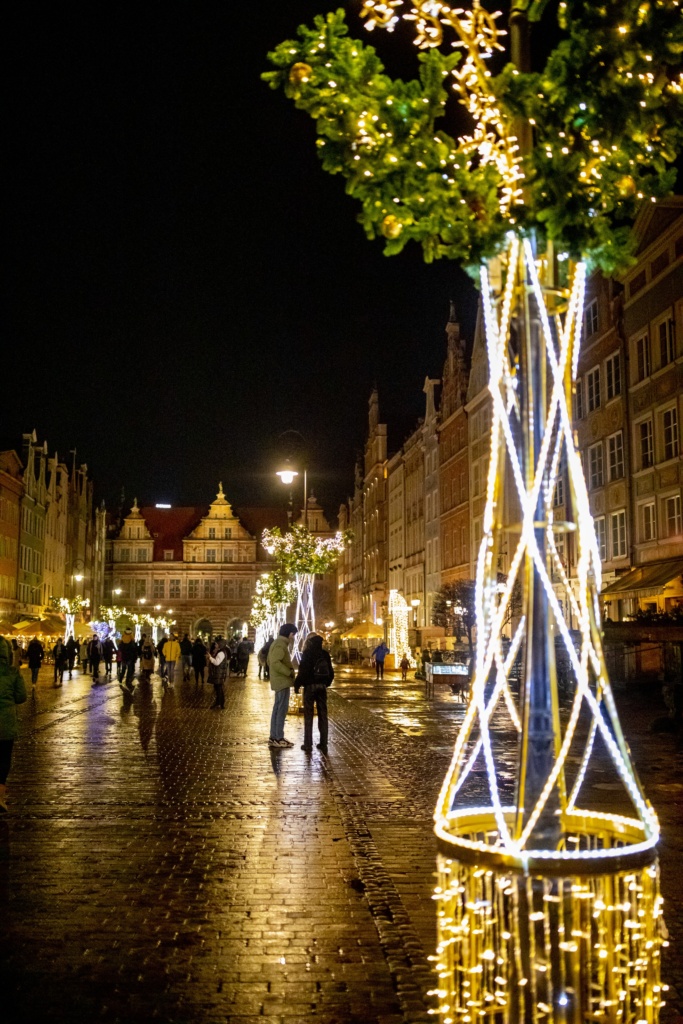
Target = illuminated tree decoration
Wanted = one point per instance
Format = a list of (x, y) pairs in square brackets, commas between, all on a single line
[(399, 618), (159, 623), (548, 909), (604, 115), (70, 608), (273, 594), (302, 555), (111, 613)]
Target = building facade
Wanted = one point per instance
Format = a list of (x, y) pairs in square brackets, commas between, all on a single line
[(454, 483), (11, 488), (432, 511)]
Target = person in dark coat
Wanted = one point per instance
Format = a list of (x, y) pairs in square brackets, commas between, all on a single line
[(12, 692), (72, 651), (242, 654), (108, 655), (35, 653), (186, 656), (218, 671), (263, 658), (95, 657), (315, 675), (198, 660), (60, 656), (129, 656)]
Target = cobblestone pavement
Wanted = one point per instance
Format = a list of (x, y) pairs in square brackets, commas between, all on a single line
[(159, 862)]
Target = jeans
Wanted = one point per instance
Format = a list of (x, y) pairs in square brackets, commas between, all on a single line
[(219, 695), (379, 665), (187, 665), (128, 672), (35, 669), (277, 719), (314, 696), (170, 666), (95, 665)]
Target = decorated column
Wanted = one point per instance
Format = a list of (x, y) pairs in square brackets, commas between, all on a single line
[(70, 608), (548, 906), (301, 556)]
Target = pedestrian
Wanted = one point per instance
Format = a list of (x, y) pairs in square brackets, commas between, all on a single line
[(281, 680), (378, 655), (218, 670), (162, 657), (108, 655), (60, 657), (186, 656), (129, 655), (84, 655), (35, 653), (172, 655), (72, 651), (199, 660), (242, 655), (315, 675), (146, 657), (263, 657), (95, 657), (16, 653), (12, 692), (405, 665)]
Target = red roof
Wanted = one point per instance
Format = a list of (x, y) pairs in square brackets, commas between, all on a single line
[(256, 520), (169, 526)]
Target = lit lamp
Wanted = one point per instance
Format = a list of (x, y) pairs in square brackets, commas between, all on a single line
[(287, 475), (449, 605), (415, 604)]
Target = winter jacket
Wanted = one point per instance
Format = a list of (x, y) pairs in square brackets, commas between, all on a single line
[(171, 650), (309, 660), (36, 653), (280, 666), (12, 692), (129, 650), (198, 655), (60, 654), (380, 652), (186, 646)]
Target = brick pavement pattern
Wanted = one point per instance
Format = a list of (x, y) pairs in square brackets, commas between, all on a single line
[(159, 862)]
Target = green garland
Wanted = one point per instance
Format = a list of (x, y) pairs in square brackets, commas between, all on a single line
[(604, 105)]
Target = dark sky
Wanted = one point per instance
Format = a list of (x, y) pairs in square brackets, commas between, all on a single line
[(185, 282)]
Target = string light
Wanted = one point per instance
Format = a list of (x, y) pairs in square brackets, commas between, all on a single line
[(70, 607), (399, 613)]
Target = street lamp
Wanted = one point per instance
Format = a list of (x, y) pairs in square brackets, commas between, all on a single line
[(287, 475), (415, 604)]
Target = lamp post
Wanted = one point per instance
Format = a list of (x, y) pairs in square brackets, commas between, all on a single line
[(415, 604), (287, 475)]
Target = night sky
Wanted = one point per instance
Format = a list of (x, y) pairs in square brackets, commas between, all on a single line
[(185, 281)]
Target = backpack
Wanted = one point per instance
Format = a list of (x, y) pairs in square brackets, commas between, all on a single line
[(321, 671), (147, 652)]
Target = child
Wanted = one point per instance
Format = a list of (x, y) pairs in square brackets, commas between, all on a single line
[(405, 665)]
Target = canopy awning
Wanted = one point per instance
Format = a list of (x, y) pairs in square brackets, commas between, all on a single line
[(646, 580), (364, 631)]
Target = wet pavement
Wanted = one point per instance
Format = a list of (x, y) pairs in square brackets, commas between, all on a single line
[(159, 862)]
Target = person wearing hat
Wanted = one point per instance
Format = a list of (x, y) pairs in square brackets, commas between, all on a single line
[(281, 672), (12, 692), (129, 655)]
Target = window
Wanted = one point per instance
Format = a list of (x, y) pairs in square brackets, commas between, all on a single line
[(158, 588), (211, 554), (579, 399), (618, 522), (193, 588), (168, 554), (591, 318), (672, 515), (667, 342), (209, 588), (648, 526), (638, 282), (647, 455), (124, 555), (643, 357), (593, 388), (558, 496), (228, 532), (227, 555), (596, 474), (670, 425), (212, 533), (244, 588), (140, 588), (613, 374), (174, 588), (476, 479), (228, 588), (142, 554), (601, 537), (615, 455)]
